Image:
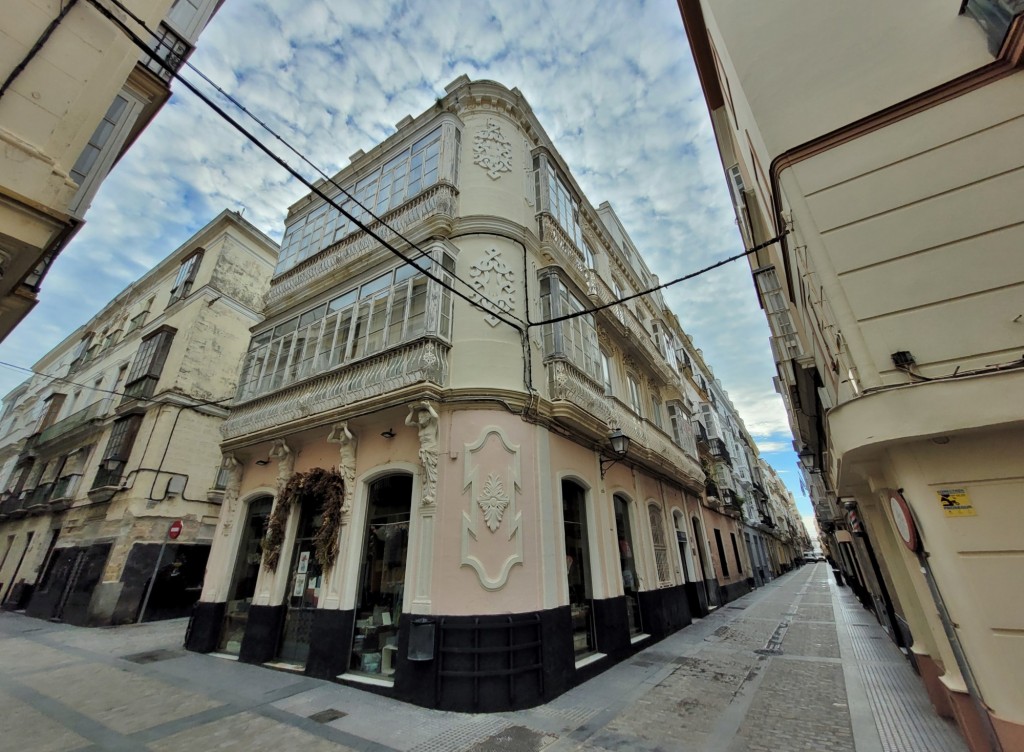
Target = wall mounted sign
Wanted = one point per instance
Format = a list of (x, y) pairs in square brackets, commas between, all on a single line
[(175, 530), (955, 502), (903, 520)]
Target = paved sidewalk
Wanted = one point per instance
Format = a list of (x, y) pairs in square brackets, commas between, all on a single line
[(795, 666)]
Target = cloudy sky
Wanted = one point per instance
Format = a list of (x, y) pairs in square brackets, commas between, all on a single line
[(611, 82)]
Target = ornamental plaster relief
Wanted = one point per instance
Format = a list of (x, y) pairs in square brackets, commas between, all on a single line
[(229, 505), (424, 418), (491, 475), (346, 442), (492, 150), (494, 282)]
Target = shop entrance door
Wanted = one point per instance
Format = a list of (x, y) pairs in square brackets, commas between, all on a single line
[(382, 576), (630, 579), (243, 577), (305, 580)]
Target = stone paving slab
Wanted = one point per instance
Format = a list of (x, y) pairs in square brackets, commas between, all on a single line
[(795, 666)]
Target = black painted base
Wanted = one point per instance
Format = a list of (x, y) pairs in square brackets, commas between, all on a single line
[(262, 633), (204, 627), (697, 599), (665, 610), (330, 643), (488, 663)]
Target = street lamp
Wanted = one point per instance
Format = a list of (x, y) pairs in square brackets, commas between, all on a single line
[(620, 445), (806, 457)]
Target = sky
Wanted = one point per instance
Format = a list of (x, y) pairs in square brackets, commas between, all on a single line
[(612, 83)]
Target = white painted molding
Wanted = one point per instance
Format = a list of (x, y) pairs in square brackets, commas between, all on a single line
[(492, 493)]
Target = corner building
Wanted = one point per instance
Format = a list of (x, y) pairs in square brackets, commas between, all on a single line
[(490, 553)]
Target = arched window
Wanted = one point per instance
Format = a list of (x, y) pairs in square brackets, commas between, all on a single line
[(660, 546)]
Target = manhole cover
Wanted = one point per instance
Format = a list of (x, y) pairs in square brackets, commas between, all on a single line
[(326, 716), (642, 663), (152, 656)]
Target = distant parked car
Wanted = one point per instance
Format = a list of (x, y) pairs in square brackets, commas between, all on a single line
[(812, 556)]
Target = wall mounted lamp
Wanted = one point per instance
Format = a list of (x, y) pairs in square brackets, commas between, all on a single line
[(262, 462), (620, 445), (806, 457), (389, 434)]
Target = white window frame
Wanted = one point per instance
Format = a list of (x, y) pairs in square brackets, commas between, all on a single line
[(107, 139)]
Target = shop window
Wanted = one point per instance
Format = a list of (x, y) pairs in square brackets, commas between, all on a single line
[(243, 577), (577, 565), (382, 576), (627, 564)]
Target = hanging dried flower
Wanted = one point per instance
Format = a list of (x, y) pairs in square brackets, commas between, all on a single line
[(322, 489)]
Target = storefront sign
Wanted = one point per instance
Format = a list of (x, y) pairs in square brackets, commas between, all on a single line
[(903, 520), (955, 502)]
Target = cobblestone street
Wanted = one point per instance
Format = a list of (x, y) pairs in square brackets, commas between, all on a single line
[(795, 666)]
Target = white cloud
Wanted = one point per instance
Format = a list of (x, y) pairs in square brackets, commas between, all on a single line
[(612, 83)]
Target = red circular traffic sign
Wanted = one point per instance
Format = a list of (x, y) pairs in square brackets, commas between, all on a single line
[(175, 530)]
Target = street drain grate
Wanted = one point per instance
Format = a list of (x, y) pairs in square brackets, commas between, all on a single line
[(769, 651), (152, 656), (326, 716)]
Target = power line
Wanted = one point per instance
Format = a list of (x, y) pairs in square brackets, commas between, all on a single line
[(677, 280), (376, 218), (291, 170), (259, 144), (69, 382)]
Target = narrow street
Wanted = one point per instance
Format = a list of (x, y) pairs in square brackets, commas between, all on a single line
[(795, 666)]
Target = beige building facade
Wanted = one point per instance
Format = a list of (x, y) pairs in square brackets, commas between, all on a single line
[(884, 142), (114, 440), (428, 495), (75, 94)]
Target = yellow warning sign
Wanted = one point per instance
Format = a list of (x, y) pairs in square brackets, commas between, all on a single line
[(955, 502)]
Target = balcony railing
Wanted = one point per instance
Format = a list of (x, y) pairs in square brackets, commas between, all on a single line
[(65, 487), (75, 420), (438, 201), (569, 383), (629, 326), (718, 450), (171, 51), (424, 360)]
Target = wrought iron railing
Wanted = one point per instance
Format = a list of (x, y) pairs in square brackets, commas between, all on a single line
[(71, 422), (568, 382)]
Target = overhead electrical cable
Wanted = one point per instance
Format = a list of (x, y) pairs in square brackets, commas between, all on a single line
[(291, 170), (676, 281), (69, 382), (377, 220)]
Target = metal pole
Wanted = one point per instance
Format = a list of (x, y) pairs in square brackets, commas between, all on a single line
[(152, 580)]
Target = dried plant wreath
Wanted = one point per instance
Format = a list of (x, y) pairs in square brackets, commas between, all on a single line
[(324, 488)]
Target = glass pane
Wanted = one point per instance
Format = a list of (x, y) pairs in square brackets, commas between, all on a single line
[(243, 578), (577, 563), (382, 580), (627, 564)]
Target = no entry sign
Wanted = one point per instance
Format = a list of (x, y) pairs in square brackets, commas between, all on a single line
[(175, 530)]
